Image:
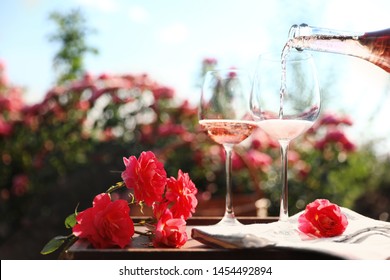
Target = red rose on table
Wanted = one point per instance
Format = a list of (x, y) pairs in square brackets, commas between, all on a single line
[(181, 192), (146, 176), (159, 209), (170, 232), (322, 218), (106, 224)]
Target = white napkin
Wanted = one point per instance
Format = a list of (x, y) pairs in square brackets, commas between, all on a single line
[(286, 234)]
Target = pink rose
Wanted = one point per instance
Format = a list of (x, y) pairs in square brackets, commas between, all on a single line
[(106, 224), (146, 176), (169, 129), (333, 119), (163, 93), (20, 184), (5, 127), (337, 137), (322, 218), (159, 209), (210, 60), (170, 232), (181, 192), (258, 159)]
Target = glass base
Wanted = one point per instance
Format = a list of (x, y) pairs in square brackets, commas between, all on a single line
[(229, 220)]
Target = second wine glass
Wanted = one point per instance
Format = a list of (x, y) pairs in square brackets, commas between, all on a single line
[(224, 113), (286, 102)]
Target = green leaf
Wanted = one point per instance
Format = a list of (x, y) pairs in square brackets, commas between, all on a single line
[(111, 189), (115, 187), (141, 205), (132, 201), (70, 221), (54, 244)]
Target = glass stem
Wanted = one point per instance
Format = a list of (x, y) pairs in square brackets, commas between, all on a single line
[(283, 216), (229, 213)]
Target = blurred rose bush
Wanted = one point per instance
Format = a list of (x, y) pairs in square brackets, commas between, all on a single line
[(83, 123)]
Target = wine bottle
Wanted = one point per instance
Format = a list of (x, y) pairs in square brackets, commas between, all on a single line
[(370, 46)]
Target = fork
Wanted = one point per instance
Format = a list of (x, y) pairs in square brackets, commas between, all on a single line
[(363, 234)]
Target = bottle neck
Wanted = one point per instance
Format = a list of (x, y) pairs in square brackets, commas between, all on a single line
[(371, 46), (305, 30), (305, 37)]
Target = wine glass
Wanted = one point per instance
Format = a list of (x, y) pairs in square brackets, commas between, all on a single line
[(285, 102), (225, 114)]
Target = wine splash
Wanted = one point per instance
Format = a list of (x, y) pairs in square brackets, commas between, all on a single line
[(283, 85)]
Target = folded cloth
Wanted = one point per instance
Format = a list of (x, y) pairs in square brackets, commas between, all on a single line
[(364, 238)]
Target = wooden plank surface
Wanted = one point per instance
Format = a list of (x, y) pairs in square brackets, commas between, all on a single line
[(139, 248)]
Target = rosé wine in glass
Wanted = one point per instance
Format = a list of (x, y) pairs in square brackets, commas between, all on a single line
[(228, 131), (285, 101), (225, 114), (285, 129)]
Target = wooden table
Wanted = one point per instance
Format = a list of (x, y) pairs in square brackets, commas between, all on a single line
[(139, 248)]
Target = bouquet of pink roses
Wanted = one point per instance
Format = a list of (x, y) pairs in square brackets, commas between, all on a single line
[(108, 223)]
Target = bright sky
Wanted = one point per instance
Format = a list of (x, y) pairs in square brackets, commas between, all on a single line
[(169, 38)]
